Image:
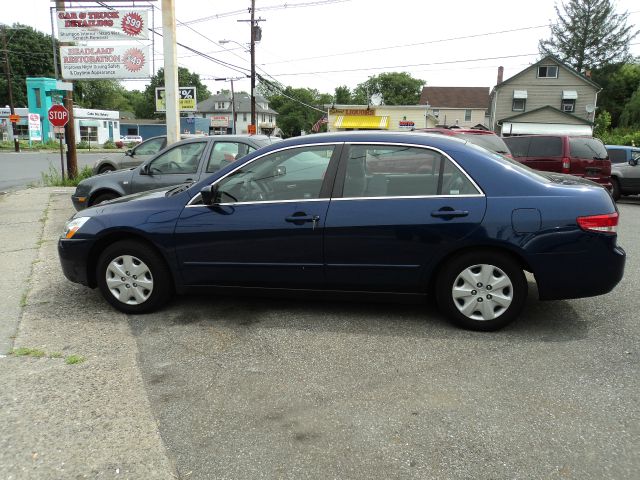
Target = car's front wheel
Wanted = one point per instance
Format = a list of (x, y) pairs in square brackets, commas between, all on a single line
[(482, 291), (102, 197), (106, 168), (133, 277)]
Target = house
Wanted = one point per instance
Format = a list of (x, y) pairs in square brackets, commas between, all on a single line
[(218, 109), (547, 97), (462, 106)]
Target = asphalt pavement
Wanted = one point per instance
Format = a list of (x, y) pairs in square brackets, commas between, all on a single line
[(246, 388)]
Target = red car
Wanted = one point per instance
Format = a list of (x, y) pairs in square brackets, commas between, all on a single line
[(483, 138)]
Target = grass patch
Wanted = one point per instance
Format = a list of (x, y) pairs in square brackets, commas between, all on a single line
[(24, 145), (23, 300), (28, 352), (53, 178), (37, 353), (73, 359)]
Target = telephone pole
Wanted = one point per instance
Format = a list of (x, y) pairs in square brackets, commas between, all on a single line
[(70, 127), (16, 141), (256, 35)]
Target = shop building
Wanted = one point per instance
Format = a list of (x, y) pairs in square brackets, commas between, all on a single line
[(396, 118)]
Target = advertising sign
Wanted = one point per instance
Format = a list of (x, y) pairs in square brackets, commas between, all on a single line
[(186, 100), (219, 121), (35, 130), (114, 62), (95, 25)]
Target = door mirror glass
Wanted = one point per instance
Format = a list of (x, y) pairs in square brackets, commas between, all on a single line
[(144, 170), (210, 195)]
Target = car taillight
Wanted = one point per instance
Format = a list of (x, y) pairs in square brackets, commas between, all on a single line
[(599, 223), (566, 165)]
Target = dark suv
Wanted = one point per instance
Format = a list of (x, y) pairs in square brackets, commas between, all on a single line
[(580, 156)]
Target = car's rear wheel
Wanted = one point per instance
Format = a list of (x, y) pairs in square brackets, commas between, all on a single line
[(102, 197), (106, 168), (482, 290), (615, 191), (133, 277)]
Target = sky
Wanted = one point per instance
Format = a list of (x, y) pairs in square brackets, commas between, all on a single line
[(323, 44)]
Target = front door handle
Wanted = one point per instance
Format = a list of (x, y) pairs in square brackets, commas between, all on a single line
[(300, 218), (448, 213)]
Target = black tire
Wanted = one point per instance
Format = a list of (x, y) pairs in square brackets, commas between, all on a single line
[(106, 168), (103, 197), (484, 307), (615, 191), (146, 282)]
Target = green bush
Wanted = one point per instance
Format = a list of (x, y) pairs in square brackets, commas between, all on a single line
[(109, 144), (620, 136), (83, 145), (53, 178)]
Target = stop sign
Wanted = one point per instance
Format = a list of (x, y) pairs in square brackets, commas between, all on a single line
[(58, 115)]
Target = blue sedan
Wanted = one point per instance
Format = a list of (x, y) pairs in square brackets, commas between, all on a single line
[(405, 214)]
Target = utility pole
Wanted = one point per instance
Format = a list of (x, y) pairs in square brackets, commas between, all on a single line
[(256, 35), (70, 127), (170, 70), (16, 141)]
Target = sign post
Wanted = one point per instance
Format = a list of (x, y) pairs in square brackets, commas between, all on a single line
[(59, 116)]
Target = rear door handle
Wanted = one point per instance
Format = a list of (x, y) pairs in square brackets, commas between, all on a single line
[(448, 213)]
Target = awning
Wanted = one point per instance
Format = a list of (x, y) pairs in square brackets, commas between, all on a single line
[(519, 94), (515, 128), (362, 122), (569, 95)]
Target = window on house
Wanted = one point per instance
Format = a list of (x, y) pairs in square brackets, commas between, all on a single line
[(436, 112), (220, 104), (88, 134), (263, 117), (548, 71), (38, 99), (270, 118), (467, 115), (244, 117), (568, 105), (519, 104)]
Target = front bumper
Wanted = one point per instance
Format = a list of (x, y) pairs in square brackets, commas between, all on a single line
[(74, 258)]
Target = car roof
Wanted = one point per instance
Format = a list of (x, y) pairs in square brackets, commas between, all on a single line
[(622, 147), (455, 131)]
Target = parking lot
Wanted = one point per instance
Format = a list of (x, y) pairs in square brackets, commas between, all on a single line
[(235, 388)]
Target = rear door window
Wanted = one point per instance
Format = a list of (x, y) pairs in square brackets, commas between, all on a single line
[(395, 171), (150, 147)]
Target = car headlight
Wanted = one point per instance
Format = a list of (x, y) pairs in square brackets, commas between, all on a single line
[(73, 226)]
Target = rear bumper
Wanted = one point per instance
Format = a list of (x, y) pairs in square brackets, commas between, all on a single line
[(577, 275)]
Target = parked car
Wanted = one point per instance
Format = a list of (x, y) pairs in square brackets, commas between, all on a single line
[(131, 139), (625, 172), (136, 155), (483, 138), (575, 155), (184, 161), (304, 215)]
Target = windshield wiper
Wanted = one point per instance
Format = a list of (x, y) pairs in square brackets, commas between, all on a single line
[(179, 188)]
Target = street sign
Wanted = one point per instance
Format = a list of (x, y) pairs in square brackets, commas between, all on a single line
[(14, 118), (58, 115)]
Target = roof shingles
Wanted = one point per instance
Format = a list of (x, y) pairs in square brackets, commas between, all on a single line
[(455, 97)]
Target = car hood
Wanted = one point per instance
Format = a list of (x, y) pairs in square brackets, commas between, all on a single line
[(117, 203)]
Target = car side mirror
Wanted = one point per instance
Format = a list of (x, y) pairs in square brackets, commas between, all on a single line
[(210, 195), (129, 153), (633, 162), (145, 170)]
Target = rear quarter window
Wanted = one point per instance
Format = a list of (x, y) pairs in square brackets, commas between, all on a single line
[(617, 156), (545, 147), (519, 146), (490, 142)]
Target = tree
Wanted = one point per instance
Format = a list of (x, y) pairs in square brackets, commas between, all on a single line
[(589, 34), (343, 95), (147, 108), (102, 95), (395, 88), (630, 116), (298, 108), (30, 55), (619, 81)]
